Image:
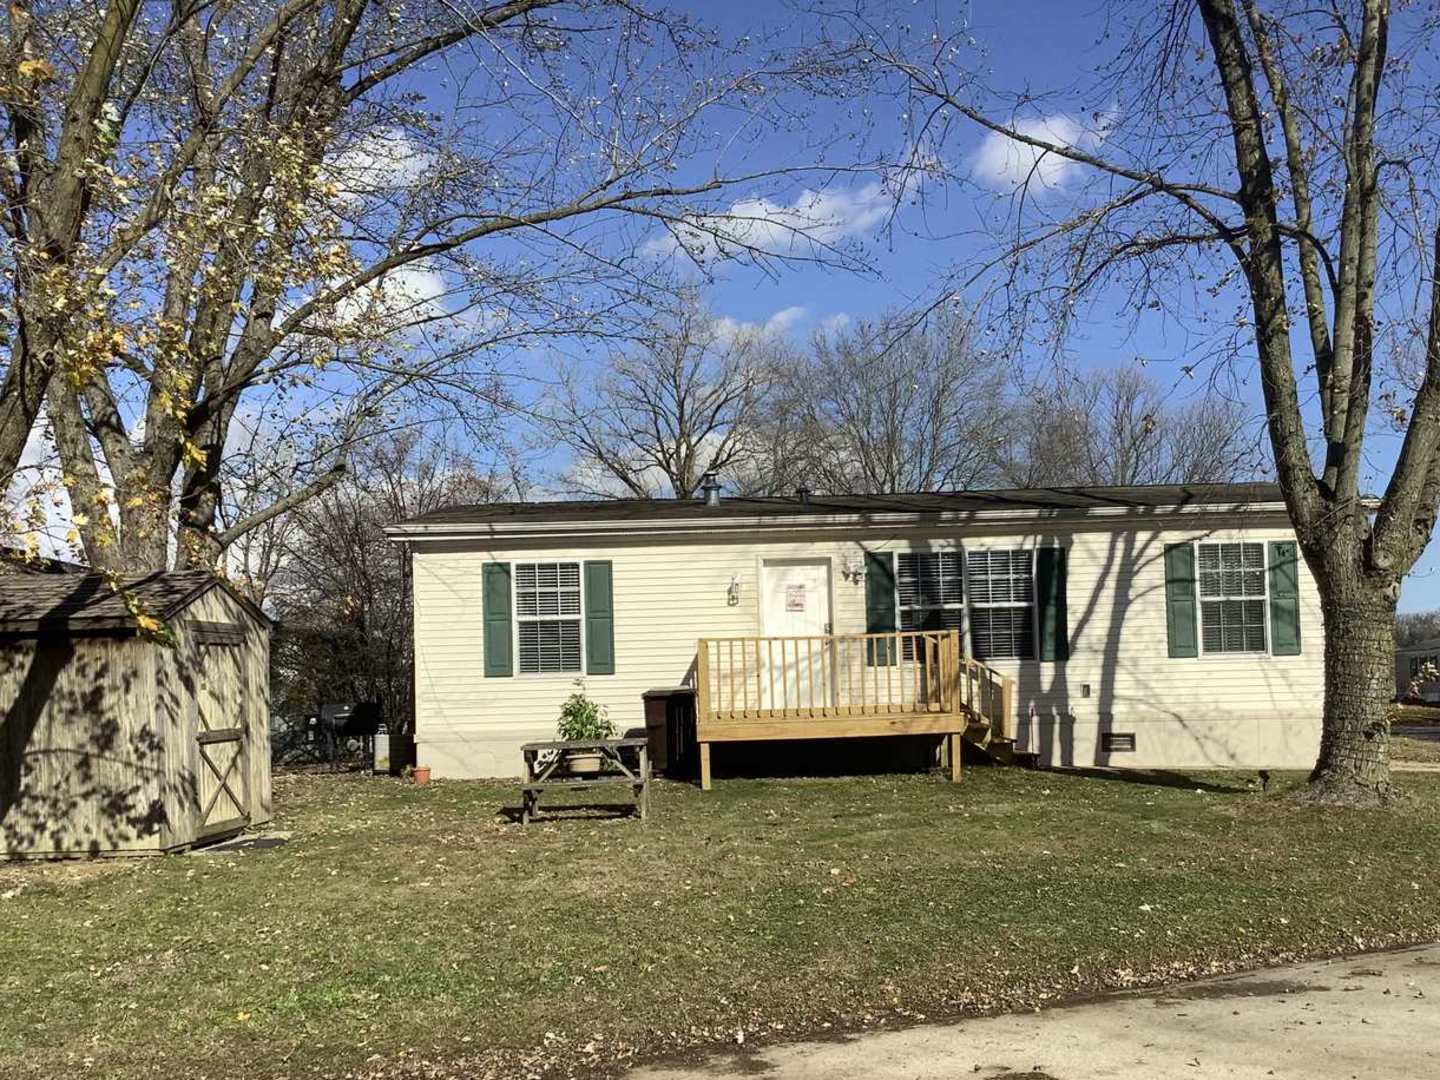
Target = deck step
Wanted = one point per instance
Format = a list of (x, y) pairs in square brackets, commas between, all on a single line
[(1002, 751)]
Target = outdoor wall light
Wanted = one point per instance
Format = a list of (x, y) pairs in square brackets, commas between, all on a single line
[(732, 591), (852, 570)]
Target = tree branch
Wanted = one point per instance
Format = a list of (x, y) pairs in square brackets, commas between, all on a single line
[(325, 480), (1265, 262), (1315, 305)]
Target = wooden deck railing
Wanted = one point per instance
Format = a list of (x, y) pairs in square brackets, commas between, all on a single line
[(845, 676)]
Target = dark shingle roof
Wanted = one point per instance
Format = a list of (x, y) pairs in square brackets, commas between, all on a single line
[(14, 560), (1077, 499), (66, 603)]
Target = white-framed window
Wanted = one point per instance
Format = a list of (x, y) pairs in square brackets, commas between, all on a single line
[(548, 617), (1232, 597), (929, 593), (1000, 587)]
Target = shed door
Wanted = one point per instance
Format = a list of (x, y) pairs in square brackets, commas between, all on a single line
[(224, 774)]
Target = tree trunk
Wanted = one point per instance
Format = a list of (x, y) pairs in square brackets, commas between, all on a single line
[(21, 396), (1354, 762), (144, 531)]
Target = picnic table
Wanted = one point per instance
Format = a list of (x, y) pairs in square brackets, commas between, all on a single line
[(546, 766)]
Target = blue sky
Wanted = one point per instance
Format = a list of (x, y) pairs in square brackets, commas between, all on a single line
[(1038, 45), (1044, 45)]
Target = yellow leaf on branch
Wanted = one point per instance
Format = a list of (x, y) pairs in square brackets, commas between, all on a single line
[(38, 70)]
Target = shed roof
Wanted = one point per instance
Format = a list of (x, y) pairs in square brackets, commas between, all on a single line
[(79, 604), (939, 506), (15, 560)]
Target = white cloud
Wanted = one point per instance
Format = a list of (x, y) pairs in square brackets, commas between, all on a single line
[(1005, 163), (833, 324), (379, 161), (407, 294), (777, 325), (405, 300), (783, 320), (403, 303), (814, 218)]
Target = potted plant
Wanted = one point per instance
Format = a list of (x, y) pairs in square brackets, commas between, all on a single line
[(583, 720)]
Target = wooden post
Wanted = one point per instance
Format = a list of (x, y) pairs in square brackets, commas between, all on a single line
[(702, 708), (730, 673), (745, 674), (1007, 708), (644, 782), (702, 680), (956, 740)]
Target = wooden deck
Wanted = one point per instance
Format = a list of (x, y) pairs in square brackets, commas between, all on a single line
[(845, 686)]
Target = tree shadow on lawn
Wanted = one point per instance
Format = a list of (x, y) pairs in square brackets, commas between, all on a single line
[(1159, 778), (549, 812)]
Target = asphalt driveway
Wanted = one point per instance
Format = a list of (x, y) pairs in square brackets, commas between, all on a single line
[(1372, 1017)]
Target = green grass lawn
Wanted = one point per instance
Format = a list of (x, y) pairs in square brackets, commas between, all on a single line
[(406, 925), (1414, 736), (1425, 751)]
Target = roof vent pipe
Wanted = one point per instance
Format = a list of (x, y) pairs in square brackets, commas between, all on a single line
[(803, 494), (711, 488)]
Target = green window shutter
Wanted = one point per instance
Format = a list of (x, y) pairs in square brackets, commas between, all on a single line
[(1050, 600), (1180, 621), (879, 606), (495, 607), (1284, 599), (599, 619)]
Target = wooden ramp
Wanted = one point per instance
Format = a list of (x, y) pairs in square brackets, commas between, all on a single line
[(846, 686)]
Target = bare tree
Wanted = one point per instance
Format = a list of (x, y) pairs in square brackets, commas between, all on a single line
[(781, 431), (893, 405), (341, 589), (203, 201), (1265, 175), (681, 403), (1116, 426), (1413, 627)]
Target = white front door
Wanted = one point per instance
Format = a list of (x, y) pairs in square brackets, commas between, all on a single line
[(795, 606)]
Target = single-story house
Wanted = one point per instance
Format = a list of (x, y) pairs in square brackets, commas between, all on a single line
[(1155, 627), (1411, 664)]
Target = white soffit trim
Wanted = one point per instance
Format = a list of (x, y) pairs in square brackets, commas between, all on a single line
[(812, 523)]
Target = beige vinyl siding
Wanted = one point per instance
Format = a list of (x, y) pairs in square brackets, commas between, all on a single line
[(1241, 711), (1238, 710)]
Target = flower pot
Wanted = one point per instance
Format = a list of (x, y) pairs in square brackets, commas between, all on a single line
[(421, 775), (583, 764)]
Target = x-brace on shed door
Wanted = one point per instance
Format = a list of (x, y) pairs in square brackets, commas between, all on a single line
[(223, 776)]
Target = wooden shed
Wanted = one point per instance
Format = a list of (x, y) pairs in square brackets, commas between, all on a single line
[(118, 741)]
